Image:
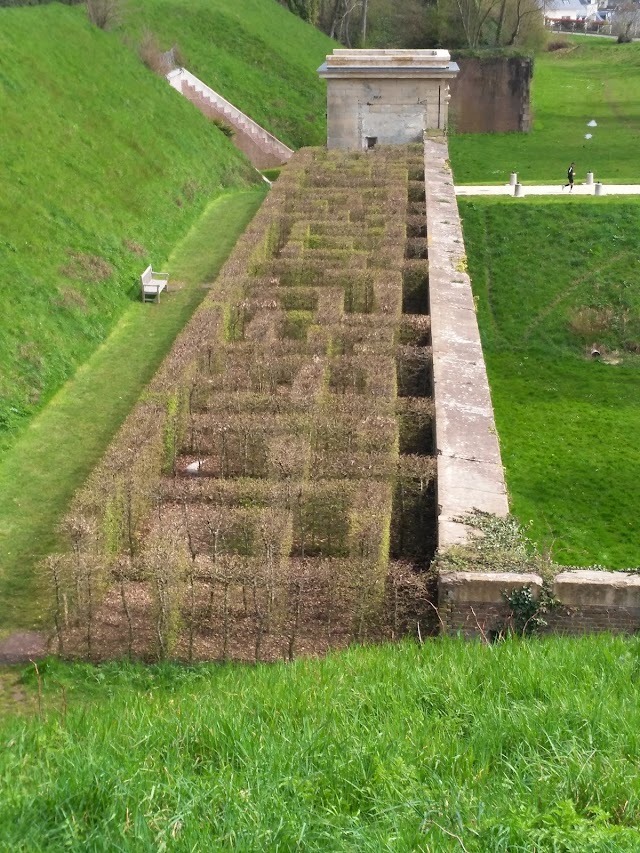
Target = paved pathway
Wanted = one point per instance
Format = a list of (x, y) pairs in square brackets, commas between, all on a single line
[(552, 189)]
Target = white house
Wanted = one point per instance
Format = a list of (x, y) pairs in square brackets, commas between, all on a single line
[(575, 11)]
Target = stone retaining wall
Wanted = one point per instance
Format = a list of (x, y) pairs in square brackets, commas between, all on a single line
[(473, 604), (491, 95), (260, 155), (262, 148), (469, 467)]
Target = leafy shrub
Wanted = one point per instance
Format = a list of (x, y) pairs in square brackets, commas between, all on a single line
[(225, 128), (526, 610)]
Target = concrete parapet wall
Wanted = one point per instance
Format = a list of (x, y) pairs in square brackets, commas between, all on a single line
[(473, 603), (595, 601), (470, 474), (469, 468)]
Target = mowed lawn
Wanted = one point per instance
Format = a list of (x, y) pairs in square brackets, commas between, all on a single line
[(552, 280), (592, 80), (445, 747)]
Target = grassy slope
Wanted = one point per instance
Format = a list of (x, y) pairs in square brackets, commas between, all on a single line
[(54, 455), (597, 79), (255, 53), (97, 168), (111, 169), (568, 425), (448, 746)]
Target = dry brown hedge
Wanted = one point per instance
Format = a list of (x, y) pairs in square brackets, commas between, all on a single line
[(249, 506)]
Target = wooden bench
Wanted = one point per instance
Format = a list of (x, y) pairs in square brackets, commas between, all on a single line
[(153, 283)]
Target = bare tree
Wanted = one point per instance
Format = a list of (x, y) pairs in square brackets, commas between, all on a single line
[(104, 13), (626, 21), (56, 568), (514, 19), (473, 17), (190, 577), (163, 563)]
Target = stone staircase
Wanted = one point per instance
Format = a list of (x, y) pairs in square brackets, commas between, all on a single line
[(262, 148)]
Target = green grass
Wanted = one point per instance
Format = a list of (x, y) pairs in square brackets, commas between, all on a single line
[(597, 79), (448, 746), (53, 456), (101, 174), (567, 423), (255, 53)]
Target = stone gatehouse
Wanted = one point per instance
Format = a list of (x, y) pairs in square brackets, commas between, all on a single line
[(386, 97)]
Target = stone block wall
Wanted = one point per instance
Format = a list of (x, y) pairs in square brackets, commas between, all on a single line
[(473, 604), (394, 112), (385, 97), (491, 95)]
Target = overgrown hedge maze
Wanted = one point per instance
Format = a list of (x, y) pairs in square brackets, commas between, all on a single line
[(272, 494)]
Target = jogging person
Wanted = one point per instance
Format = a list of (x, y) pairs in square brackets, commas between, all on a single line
[(571, 171)]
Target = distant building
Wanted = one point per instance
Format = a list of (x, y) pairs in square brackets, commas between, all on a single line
[(571, 12)]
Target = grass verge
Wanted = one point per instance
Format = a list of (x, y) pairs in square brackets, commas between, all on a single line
[(447, 746), (113, 177), (53, 456)]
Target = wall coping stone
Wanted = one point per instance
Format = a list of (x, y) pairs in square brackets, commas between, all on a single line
[(482, 587), (349, 62), (588, 588), (469, 466), (579, 589)]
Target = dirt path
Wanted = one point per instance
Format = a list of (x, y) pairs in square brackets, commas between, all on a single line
[(22, 647)]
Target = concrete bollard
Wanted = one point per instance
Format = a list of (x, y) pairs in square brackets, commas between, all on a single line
[(598, 188), (513, 179), (518, 191), (589, 180)]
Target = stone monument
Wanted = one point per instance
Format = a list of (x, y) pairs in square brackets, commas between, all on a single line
[(385, 97)]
